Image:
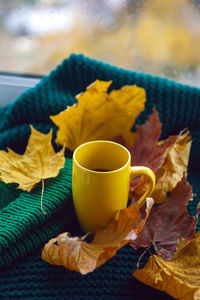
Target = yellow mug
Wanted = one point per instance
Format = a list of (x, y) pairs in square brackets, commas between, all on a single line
[(100, 182)]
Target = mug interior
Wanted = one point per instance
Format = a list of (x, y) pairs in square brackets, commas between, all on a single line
[(101, 156)]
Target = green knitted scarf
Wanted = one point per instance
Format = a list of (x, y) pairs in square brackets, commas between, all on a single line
[(23, 227)]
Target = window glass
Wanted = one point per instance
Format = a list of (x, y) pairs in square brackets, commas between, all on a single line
[(151, 36)]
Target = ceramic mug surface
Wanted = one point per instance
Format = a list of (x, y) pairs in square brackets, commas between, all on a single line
[(100, 182)]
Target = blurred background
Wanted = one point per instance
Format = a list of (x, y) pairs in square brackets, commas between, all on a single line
[(151, 36)]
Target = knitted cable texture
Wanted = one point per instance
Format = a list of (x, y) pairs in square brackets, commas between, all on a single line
[(23, 227)]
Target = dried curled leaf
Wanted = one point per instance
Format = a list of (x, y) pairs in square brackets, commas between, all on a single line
[(168, 158), (174, 167), (167, 222), (38, 162), (179, 277), (99, 115), (148, 151), (75, 254)]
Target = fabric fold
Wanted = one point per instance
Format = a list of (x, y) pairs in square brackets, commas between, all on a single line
[(23, 226)]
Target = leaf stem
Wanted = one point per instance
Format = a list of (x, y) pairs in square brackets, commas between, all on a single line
[(146, 250), (42, 196)]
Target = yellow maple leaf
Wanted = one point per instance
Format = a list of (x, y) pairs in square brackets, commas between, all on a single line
[(179, 277), (75, 254), (174, 167), (99, 115), (38, 162)]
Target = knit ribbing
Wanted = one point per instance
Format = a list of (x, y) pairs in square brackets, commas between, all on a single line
[(178, 104), (36, 279), (23, 226)]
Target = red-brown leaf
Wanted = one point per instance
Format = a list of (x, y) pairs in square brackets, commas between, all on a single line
[(146, 143), (167, 222), (147, 151)]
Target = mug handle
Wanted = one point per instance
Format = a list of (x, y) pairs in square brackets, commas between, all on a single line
[(138, 171)]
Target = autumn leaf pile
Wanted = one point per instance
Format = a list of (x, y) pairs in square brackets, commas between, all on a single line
[(162, 227)]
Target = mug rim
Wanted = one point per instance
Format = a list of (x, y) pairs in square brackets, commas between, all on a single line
[(102, 172)]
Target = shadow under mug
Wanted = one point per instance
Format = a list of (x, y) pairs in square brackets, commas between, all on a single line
[(100, 182)]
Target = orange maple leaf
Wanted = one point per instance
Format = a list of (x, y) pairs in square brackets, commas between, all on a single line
[(76, 254)]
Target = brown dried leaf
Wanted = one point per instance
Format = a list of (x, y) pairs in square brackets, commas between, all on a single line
[(147, 151), (75, 254), (179, 277), (168, 159), (167, 222), (174, 167), (146, 144)]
